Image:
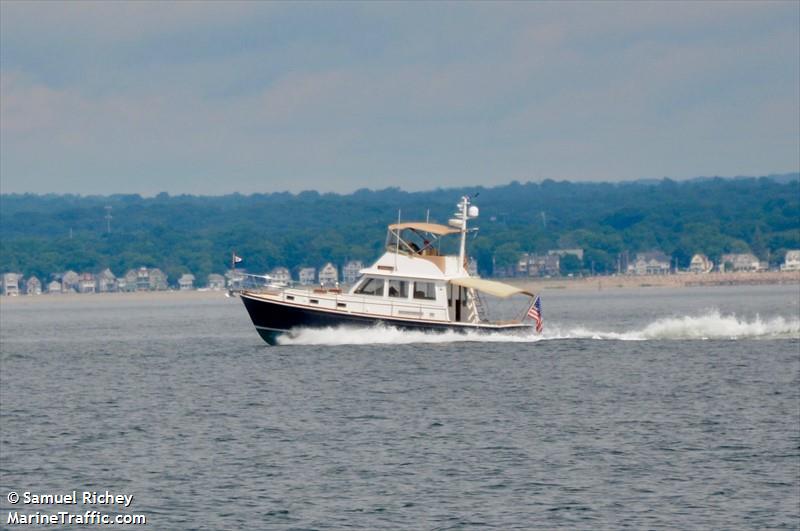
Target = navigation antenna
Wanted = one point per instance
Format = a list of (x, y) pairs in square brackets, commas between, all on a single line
[(459, 221), (108, 219)]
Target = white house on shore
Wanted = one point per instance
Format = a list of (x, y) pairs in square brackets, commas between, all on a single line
[(33, 286), (791, 262), (739, 262), (280, 275), (87, 284), (54, 287), (700, 264), (329, 275), (107, 282), (537, 265), (352, 270), (9, 284), (307, 276), (186, 282), (130, 281), (650, 263), (69, 281), (235, 278), (216, 282), (142, 279)]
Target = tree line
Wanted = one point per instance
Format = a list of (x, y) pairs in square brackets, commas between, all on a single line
[(46, 234)]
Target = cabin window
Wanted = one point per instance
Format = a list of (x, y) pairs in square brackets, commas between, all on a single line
[(371, 286), (425, 290), (398, 288)]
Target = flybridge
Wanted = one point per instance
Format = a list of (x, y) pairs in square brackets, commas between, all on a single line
[(422, 238)]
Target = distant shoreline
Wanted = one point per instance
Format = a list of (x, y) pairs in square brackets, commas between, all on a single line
[(688, 280), (681, 280), (171, 295)]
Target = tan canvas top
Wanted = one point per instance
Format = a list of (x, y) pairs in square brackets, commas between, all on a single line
[(492, 287), (433, 228)]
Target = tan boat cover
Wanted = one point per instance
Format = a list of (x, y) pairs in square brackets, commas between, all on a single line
[(492, 287), (433, 228)]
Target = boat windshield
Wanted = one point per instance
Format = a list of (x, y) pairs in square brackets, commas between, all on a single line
[(371, 286)]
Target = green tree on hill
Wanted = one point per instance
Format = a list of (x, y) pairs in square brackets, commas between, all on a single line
[(48, 234)]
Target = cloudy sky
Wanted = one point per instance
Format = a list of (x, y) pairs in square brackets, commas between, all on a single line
[(211, 98)]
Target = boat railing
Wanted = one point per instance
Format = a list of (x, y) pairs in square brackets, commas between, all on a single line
[(327, 290)]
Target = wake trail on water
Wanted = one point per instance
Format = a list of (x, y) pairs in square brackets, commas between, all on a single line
[(710, 325)]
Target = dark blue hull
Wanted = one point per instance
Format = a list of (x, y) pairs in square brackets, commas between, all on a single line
[(273, 319)]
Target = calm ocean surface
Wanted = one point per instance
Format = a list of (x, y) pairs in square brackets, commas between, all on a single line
[(639, 409)]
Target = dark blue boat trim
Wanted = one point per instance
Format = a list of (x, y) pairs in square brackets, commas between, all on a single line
[(270, 335)]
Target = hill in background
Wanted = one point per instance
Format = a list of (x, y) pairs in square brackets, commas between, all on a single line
[(48, 234)]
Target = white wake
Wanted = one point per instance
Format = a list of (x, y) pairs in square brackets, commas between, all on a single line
[(710, 325)]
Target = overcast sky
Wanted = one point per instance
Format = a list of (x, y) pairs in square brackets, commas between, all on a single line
[(212, 98)]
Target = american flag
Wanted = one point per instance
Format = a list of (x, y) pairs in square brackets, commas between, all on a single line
[(535, 313)]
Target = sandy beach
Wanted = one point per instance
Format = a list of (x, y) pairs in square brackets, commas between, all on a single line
[(537, 285), (681, 280), (171, 296)]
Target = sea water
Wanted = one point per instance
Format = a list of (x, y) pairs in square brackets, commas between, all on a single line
[(647, 408)]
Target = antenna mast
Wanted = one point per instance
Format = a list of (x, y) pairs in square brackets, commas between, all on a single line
[(459, 221), (462, 253)]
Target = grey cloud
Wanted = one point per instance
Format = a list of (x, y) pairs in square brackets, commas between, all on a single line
[(442, 94)]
